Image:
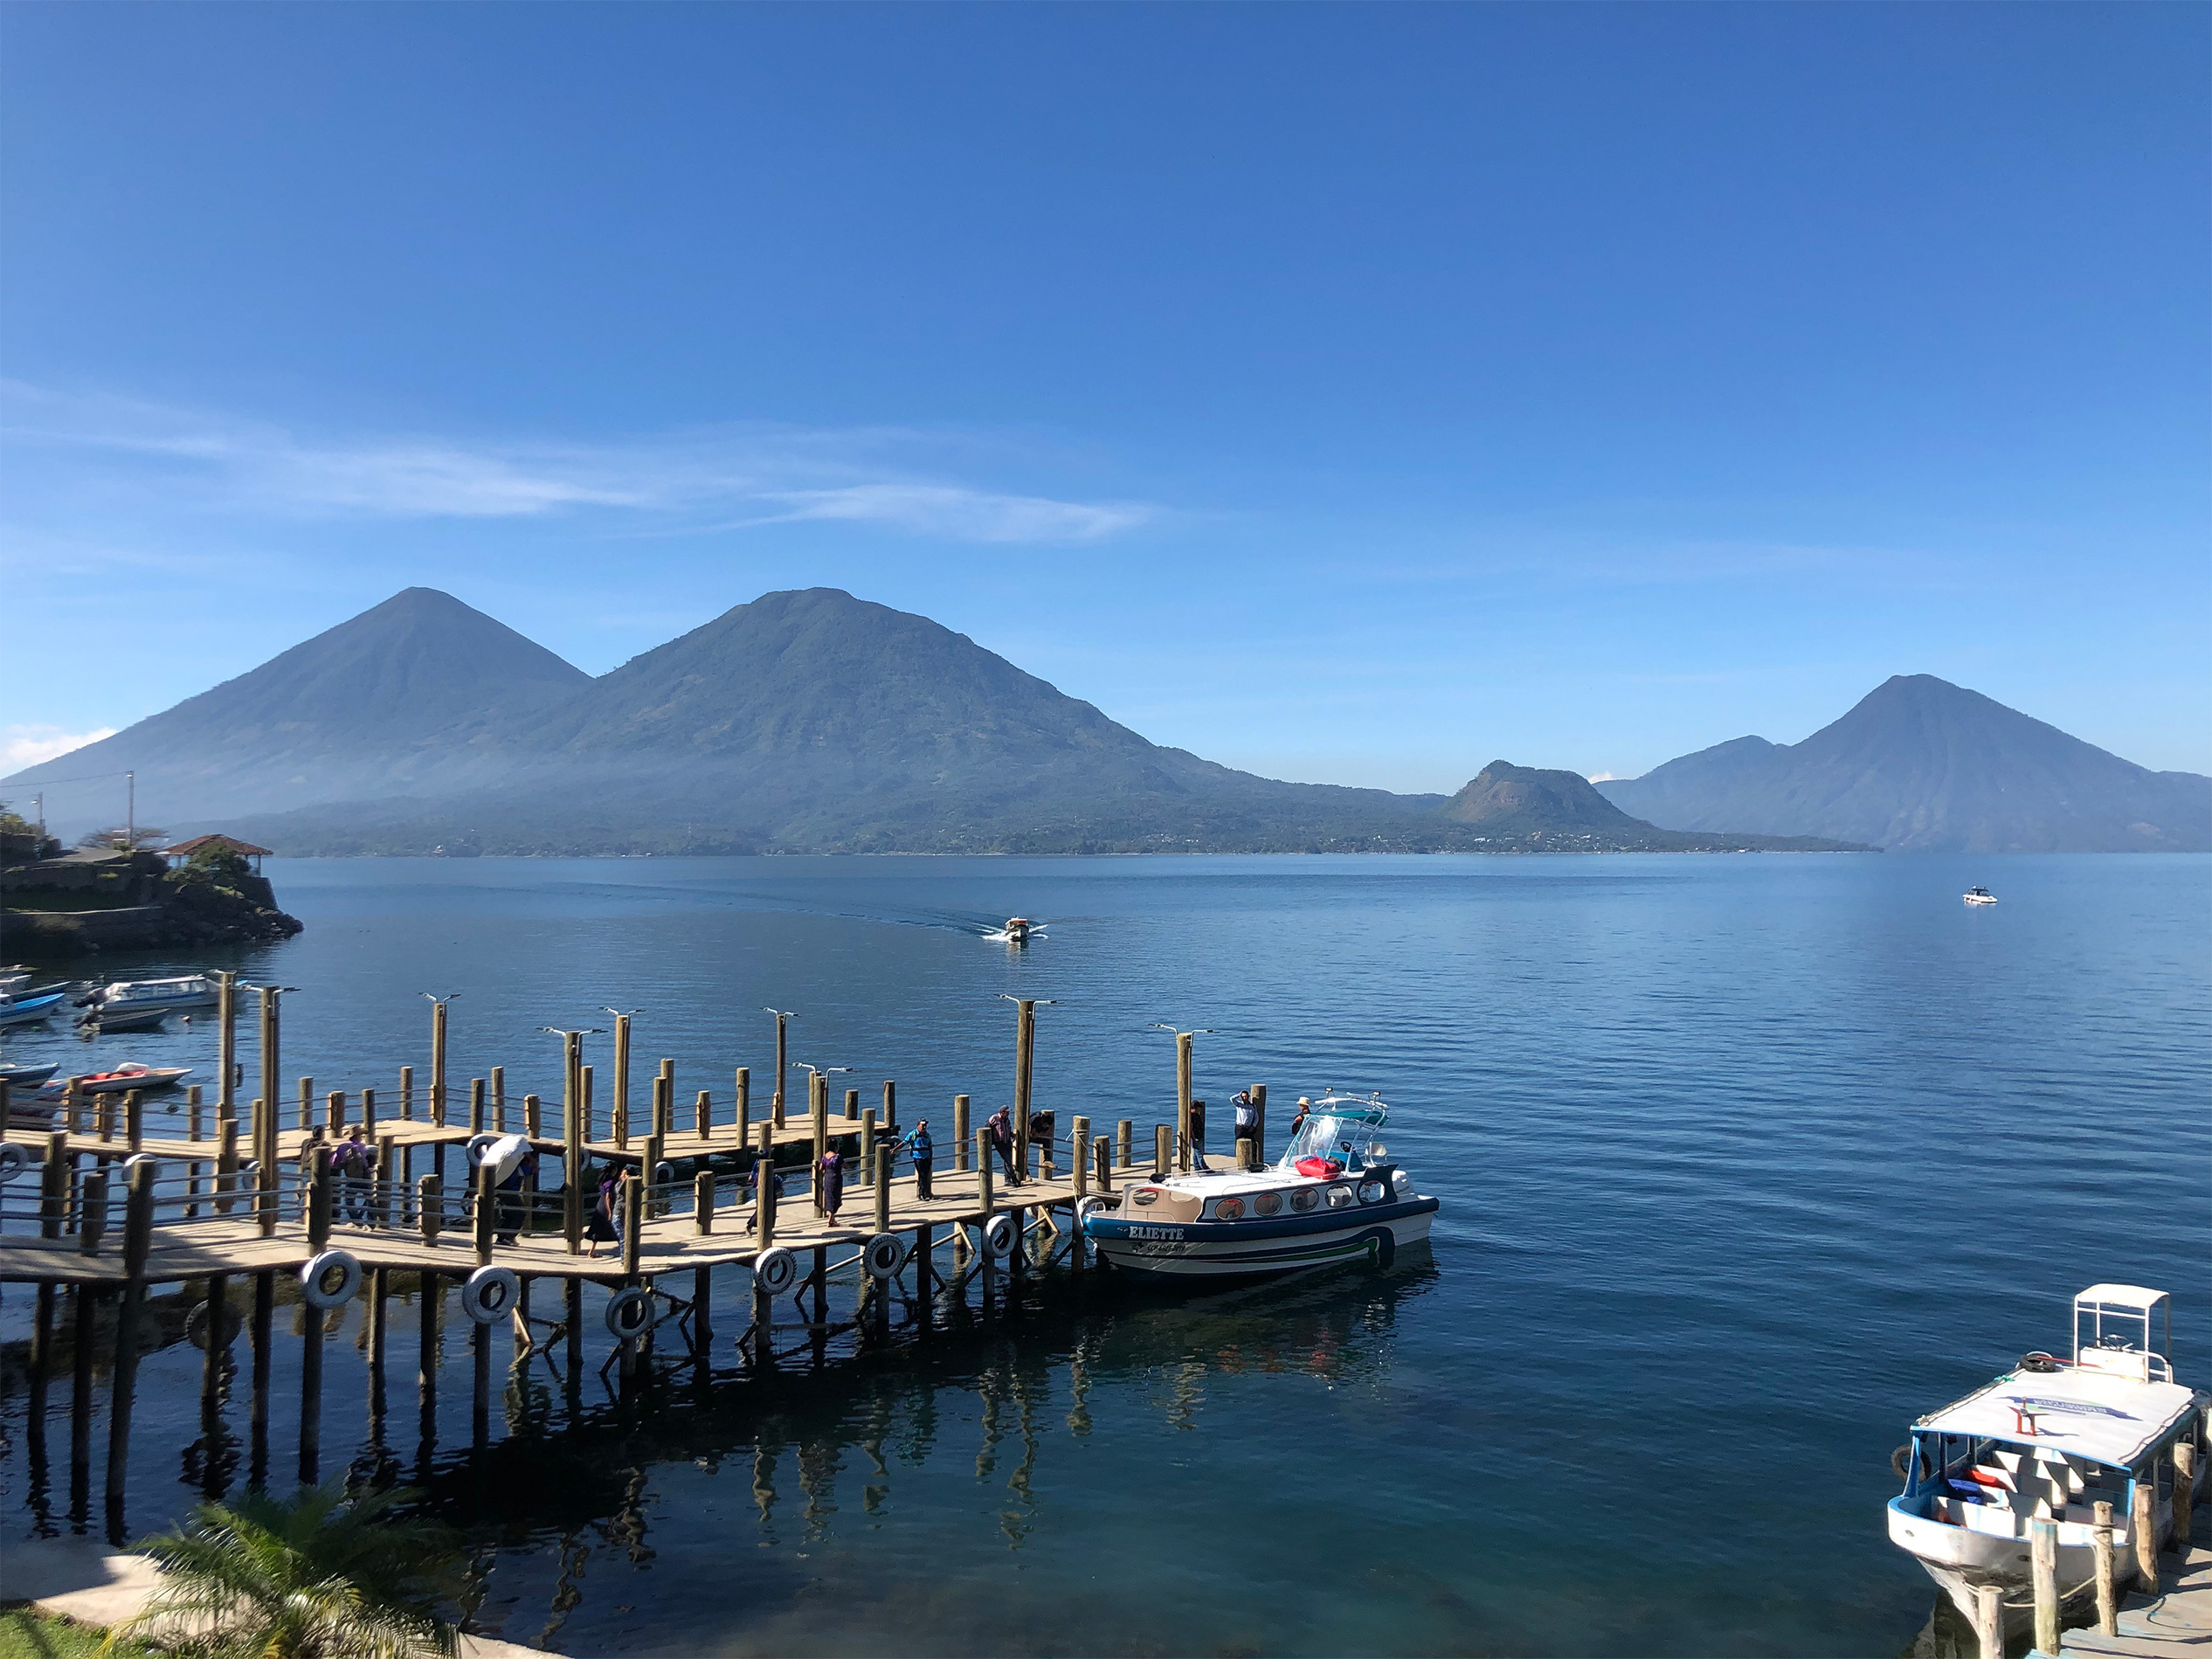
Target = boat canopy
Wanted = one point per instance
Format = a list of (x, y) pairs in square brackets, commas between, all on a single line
[(2083, 1413), (1341, 1127)]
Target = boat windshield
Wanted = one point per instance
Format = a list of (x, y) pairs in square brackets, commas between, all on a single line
[(1340, 1131)]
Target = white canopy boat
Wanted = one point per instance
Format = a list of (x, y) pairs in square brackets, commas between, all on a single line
[(2050, 1439), (1980, 896), (125, 998), (1334, 1197)]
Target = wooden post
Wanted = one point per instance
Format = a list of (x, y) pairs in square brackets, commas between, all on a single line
[(703, 1115), (499, 1100), (1162, 1151), (1079, 1144), (584, 1072), (764, 1188), (890, 1118), (2100, 1539), (1104, 1145), (272, 1063), (264, 1357), (2184, 1495), (744, 1094), (654, 1107), (702, 1297), (80, 1392), (533, 1117), (226, 1044), (369, 1112), (664, 1101), (438, 1063), (649, 1170), (1126, 1144), (1258, 1092), (135, 1119), (476, 1105), (1183, 1041), (2043, 1542), (226, 1164), (2142, 1525), (486, 1215), (407, 1092), (430, 1196), (195, 1129), (776, 1105), (387, 1158), (818, 1104), (959, 1131), (337, 1100), (867, 1144), (379, 1315), (572, 1138), (882, 1178), (633, 1224), (1990, 1622), (702, 1202), (138, 1237), (983, 1200), (91, 1217)]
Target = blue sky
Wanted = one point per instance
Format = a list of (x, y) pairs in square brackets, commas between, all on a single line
[(1356, 394)]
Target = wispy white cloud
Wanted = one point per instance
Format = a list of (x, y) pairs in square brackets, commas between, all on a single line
[(684, 482), (22, 746)]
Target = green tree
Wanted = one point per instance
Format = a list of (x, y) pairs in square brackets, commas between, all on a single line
[(323, 1573)]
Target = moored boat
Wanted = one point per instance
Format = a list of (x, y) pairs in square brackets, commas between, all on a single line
[(2050, 1439), (27, 1076), (1334, 1197), (29, 1010), (130, 1075), (130, 997), (1980, 896)]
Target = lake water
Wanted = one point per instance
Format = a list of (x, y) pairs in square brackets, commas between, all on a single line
[(1744, 1162)]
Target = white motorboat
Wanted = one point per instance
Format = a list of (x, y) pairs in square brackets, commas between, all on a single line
[(1333, 1196), (127, 997), (1980, 896), (2048, 1440)]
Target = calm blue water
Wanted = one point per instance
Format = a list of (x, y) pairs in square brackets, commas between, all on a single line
[(1744, 1162)]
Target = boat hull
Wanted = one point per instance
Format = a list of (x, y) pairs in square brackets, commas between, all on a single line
[(1253, 1249), (1961, 1561)]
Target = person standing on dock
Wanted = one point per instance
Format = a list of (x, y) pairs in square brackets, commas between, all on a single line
[(607, 1218), (1198, 1136), (1247, 1121), (831, 1169), (1002, 1141), (313, 1153), (356, 1162), (924, 1151)]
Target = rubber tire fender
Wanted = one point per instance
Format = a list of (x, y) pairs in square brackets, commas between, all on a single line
[(1901, 1460), (999, 1236), (475, 1149), (318, 1294), (629, 1313), (774, 1270), (196, 1325), (490, 1294), (14, 1160), (884, 1255)]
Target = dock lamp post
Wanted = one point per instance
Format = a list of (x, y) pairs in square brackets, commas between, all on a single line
[(1183, 1087), (1024, 1065), (438, 1053), (818, 1100), (777, 1105)]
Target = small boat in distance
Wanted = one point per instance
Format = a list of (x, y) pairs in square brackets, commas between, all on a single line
[(1980, 896), (1019, 930), (27, 1076), (127, 996), (2050, 1439), (29, 1011), (1332, 1198)]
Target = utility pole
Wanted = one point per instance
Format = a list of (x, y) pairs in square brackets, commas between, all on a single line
[(1024, 1065), (1183, 1047), (776, 1106)]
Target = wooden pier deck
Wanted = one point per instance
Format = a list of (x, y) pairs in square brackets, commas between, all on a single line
[(2174, 1624)]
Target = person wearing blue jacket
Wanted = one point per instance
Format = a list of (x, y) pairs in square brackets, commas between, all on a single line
[(923, 1152)]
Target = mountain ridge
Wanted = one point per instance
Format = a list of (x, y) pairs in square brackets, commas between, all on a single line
[(1920, 765)]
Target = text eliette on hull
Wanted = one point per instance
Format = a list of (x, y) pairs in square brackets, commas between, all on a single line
[(2050, 1439), (1334, 1197)]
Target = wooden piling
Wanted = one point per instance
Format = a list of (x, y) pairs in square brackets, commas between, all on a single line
[(621, 1080), (2042, 1545), (264, 1357), (882, 1177), (336, 1118), (867, 1144), (226, 1043), (1259, 1093), (1104, 1148), (1024, 1058), (383, 1210), (664, 1103), (1162, 1151), (430, 1198), (702, 1305), (1079, 1161), (80, 1392), (2142, 1525), (2184, 1495), (703, 1115), (438, 1062), (1183, 1041), (1126, 1144), (138, 1237), (743, 1091), (379, 1316), (959, 1131), (195, 1129), (428, 1294), (702, 1203), (369, 1112), (407, 1092), (1990, 1622), (533, 1117), (2100, 1540), (226, 1164), (311, 1319), (135, 1119), (499, 1100), (476, 1105), (572, 1140), (890, 1118), (776, 1105), (817, 1106), (487, 1215)]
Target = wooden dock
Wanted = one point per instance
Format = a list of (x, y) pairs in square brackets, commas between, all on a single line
[(2174, 1624), (101, 1206)]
